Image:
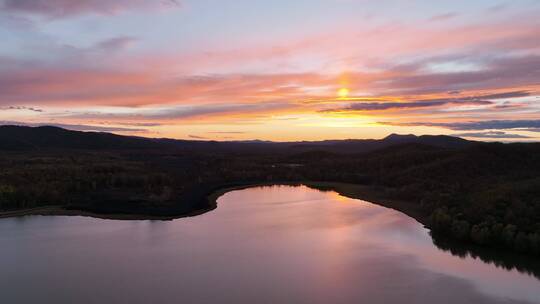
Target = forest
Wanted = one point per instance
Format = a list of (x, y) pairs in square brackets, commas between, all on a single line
[(486, 194)]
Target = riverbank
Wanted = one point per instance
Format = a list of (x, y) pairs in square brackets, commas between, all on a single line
[(60, 211), (375, 196), (354, 191)]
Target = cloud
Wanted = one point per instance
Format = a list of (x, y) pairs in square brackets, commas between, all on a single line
[(522, 125), (28, 81), (513, 94), (135, 124), (174, 114), (74, 127), (67, 8), (164, 86), (16, 23), (81, 83), (374, 106), (196, 137), (497, 8), (227, 132), (510, 105), (212, 109), (530, 129), (116, 43), (492, 134), (499, 72), (71, 74), (32, 109), (23, 82), (444, 17), (436, 102)]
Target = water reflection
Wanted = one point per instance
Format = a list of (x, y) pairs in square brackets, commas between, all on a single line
[(501, 259), (269, 244)]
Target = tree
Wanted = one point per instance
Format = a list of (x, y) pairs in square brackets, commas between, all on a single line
[(461, 229), (441, 220), (480, 234), (522, 242), (534, 242), (508, 235)]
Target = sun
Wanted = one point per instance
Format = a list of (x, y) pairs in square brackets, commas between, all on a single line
[(343, 93)]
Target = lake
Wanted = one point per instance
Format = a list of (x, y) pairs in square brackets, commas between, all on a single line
[(279, 244)]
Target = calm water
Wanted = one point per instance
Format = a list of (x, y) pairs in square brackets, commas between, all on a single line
[(262, 245)]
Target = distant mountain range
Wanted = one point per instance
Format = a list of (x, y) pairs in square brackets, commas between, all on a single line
[(55, 138)]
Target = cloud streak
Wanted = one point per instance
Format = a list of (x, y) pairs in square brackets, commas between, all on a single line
[(492, 135), (178, 113), (74, 127), (116, 43), (32, 109), (67, 8), (481, 100), (524, 125)]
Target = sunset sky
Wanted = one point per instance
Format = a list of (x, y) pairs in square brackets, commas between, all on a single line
[(278, 70)]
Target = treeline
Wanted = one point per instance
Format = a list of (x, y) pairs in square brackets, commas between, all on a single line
[(504, 217), (29, 181)]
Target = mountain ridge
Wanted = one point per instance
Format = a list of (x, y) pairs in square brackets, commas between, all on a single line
[(50, 137)]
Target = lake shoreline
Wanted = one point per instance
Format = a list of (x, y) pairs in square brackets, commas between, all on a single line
[(61, 211), (354, 191)]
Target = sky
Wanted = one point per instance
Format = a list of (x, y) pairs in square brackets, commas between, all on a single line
[(281, 70)]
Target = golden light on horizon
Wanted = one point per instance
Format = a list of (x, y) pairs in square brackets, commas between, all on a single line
[(343, 93)]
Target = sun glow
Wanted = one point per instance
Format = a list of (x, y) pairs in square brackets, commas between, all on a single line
[(343, 93)]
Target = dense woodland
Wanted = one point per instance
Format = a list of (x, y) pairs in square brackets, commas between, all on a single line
[(482, 193)]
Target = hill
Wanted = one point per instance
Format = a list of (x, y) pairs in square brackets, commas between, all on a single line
[(50, 138)]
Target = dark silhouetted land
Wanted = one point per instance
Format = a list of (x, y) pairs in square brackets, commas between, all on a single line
[(482, 193)]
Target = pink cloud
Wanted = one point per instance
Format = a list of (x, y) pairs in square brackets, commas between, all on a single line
[(372, 61), (81, 86)]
